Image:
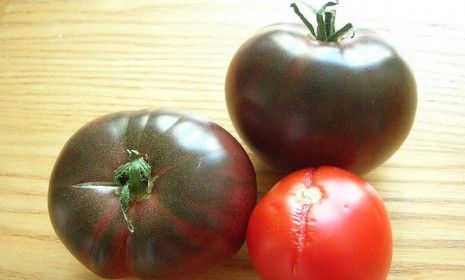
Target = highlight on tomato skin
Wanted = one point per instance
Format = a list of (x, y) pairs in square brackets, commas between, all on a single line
[(322, 223), (154, 194)]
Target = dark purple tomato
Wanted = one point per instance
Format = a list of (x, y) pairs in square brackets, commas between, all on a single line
[(300, 102), (154, 194)]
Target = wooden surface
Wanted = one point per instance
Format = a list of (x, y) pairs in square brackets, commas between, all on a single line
[(62, 63)]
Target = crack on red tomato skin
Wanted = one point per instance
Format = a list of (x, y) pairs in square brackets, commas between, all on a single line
[(310, 178), (305, 221)]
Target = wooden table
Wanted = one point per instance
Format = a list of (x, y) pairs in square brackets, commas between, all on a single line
[(62, 63)]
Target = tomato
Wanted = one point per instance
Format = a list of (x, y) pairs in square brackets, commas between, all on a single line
[(173, 207), (297, 101), (320, 223)]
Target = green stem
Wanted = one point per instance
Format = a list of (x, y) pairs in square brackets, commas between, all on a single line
[(341, 32), (329, 23), (135, 181), (124, 197), (321, 28), (326, 22), (304, 20), (136, 173)]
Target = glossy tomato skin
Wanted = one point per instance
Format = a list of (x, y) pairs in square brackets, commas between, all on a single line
[(344, 236), (298, 102), (196, 216)]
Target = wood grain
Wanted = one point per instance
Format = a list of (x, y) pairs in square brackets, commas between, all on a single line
[(62, 63)]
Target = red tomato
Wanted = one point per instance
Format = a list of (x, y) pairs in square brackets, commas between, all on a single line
[(320, 223)]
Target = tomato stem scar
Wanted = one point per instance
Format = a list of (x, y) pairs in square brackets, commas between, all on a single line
[(311, 195)]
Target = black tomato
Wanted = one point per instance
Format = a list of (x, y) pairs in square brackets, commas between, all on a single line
[(300, 102), (154, 194)]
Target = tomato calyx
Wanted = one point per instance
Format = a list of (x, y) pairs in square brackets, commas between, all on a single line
[(326, 22), (132, 181), (136, 174), (309, 193), (135, 181)]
